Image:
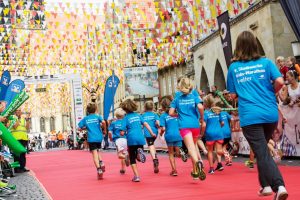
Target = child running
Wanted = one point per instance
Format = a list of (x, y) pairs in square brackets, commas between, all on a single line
[(120, 141), (169, 127), (132, 124), (226, 118), (213, 131), (153, 120), (93, 123), (186, 105)]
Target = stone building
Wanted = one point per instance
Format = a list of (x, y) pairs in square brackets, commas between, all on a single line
[(265, 19), (269, 24)]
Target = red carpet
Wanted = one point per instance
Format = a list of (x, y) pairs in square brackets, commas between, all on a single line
[(71, 175)]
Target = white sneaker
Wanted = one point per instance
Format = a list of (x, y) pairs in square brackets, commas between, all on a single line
[(266, 191), (281, 194)]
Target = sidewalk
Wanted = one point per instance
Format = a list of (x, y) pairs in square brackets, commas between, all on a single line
[(28, 188)]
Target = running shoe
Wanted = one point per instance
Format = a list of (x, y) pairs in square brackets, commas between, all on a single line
[(183, 155), (266, 191), (140, 155), (136, 179), (102, 166), (219, 167), (211, 171), (249, 164), (173, 173), (195, 176), (127, 161), (200, 170), (281, 194), (122, 171), (228, 163), (155, 165), (99, 174)]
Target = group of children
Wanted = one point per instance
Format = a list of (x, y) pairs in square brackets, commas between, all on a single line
[(185, 120)]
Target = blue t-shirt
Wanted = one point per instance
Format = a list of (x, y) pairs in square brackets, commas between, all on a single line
[(186, 106), (194, 92), (150, 118), (171, 127), (213, 129), (251, 81), (132, 123), (226, 128), (115, 128), (92, 123)]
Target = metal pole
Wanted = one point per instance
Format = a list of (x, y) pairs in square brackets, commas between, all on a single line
[(73, 113)]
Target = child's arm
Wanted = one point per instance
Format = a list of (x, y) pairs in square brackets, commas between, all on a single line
[(201, 111), (149, 129), (162, 130), (157, 123)]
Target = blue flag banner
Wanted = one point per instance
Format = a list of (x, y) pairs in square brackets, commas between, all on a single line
[(14, 88), (111, 86), (5, 79)]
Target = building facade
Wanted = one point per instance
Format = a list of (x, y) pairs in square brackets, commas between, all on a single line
[(268, 23)]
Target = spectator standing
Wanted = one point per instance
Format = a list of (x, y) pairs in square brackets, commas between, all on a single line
[(281, 66), (19, 131)]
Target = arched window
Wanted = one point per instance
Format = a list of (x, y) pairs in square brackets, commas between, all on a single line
[(42, 124), (52, 123), (219, 77), (204, 81)]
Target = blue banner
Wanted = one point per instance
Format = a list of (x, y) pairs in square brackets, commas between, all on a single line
[(14, 88), (5, 79), (111, 86)]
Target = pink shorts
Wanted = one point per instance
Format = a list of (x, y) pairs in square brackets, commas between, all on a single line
[(213, 142), (194, 131)]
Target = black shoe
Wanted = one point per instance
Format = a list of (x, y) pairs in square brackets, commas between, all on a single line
[(155, 165), (26, 170), (219, 167), (18, 170)]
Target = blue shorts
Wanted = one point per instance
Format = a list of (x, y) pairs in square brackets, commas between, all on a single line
[(175, 144)]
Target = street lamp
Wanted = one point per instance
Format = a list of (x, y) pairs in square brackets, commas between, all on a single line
[(296, 49)]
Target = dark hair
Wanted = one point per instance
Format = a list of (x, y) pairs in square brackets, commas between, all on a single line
[(246, 47), (293, 73), (91, 108), (129, 106), (149, 105), (165, 103)]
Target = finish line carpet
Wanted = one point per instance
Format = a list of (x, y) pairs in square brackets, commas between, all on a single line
[(71, 175)]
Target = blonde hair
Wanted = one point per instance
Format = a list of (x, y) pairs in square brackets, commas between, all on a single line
[(210, 102), (149, 105), (119, 113), (279, 59), (185, 85)]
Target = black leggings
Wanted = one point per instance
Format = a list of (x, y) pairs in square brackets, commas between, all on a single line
[(258, 136), (132, 151)]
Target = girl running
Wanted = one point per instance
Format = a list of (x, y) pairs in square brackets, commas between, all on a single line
[(213, 131), (226, 118), (132, 124), (186, 105), (93, 123), (153, 120), (120, 141), (169, 127)]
